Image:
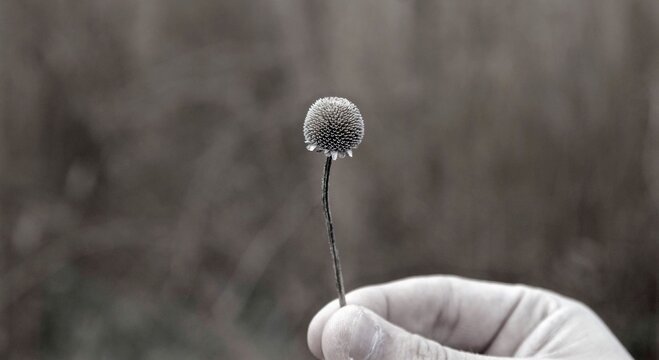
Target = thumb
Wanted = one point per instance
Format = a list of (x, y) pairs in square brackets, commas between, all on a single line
[(356, 333)]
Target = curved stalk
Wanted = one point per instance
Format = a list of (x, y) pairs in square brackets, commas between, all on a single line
[(330, 234)]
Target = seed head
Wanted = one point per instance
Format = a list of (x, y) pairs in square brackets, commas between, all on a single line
[(333, 126)]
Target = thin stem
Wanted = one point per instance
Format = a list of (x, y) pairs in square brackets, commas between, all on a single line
[(330, 234)]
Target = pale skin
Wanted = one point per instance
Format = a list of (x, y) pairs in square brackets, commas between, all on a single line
[(446, 318)]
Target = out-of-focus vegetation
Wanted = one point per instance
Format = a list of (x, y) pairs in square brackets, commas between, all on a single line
[(157, 202)]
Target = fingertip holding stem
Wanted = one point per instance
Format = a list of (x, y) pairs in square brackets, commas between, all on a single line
[(356, 333), (351, 333), (366, 336)]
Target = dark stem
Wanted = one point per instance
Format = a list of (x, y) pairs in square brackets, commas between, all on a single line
[(330, 234)]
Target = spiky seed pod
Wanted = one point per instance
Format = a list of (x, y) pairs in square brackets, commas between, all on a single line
[(333, 126)]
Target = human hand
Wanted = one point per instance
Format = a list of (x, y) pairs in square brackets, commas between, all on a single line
[(445, 318)]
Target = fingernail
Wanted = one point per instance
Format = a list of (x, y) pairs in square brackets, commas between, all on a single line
[(365, 336)]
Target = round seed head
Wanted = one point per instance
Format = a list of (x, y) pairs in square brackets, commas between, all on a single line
[(333, 126)]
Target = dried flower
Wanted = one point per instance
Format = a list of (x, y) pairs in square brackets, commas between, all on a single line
[(333, 126)]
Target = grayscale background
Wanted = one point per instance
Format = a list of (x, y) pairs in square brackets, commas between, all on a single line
[(157, 201)]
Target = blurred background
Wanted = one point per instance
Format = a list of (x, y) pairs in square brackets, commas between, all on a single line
[(157, 200)]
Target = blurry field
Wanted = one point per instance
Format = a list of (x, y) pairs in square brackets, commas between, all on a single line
[(157, 201)]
